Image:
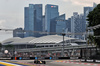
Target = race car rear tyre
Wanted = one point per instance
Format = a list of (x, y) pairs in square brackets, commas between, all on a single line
[(43, 62), (36, 62)]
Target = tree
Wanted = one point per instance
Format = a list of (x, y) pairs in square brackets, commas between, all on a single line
[(0, 46), (91, 40), (94, 19), (9, 47)]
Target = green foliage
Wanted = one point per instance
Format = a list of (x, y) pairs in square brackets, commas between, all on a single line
[(94, 19), (34, 46), (9, 47), (0, 45), (91, 40), (94, 16)]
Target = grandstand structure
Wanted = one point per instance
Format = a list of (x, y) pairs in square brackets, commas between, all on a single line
[(41, 42)]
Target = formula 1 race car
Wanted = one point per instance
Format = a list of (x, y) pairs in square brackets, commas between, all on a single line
[(39, 62)]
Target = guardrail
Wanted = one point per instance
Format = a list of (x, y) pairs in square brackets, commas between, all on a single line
[(90, 60), (53, 48)]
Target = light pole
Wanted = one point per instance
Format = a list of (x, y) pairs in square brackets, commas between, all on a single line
[(86, 42), (63, 34)]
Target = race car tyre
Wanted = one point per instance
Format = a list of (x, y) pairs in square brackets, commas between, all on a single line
[(43, 62), (36, 62)]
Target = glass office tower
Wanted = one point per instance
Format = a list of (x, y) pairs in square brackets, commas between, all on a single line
[(51, 12), (61, 24), (33, 20)]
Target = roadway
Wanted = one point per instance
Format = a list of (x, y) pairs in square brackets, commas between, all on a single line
[(69, 63), (48, 63)]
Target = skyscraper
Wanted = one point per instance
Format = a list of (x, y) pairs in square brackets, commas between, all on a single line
[(18, 33), (94, 5), (33, 19), (57, 24), (82, 26), (68, 25), (86, 12), (75, 24), (43, 22), (60, 23), (82, 22), (51, 11)]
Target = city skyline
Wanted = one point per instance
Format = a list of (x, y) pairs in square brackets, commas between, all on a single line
[(53, 21), (16, 18), (13, 13)]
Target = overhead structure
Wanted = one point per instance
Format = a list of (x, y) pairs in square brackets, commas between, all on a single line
[(53, 39), (94, 27)]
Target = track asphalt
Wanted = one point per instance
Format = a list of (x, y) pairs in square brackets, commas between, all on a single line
[(10, 63)]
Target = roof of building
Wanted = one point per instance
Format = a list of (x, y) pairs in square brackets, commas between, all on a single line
[(17, 40), (10, 40), (39, 40), (50, 39)]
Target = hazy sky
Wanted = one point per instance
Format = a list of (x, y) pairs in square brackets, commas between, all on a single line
[(12, 11)]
